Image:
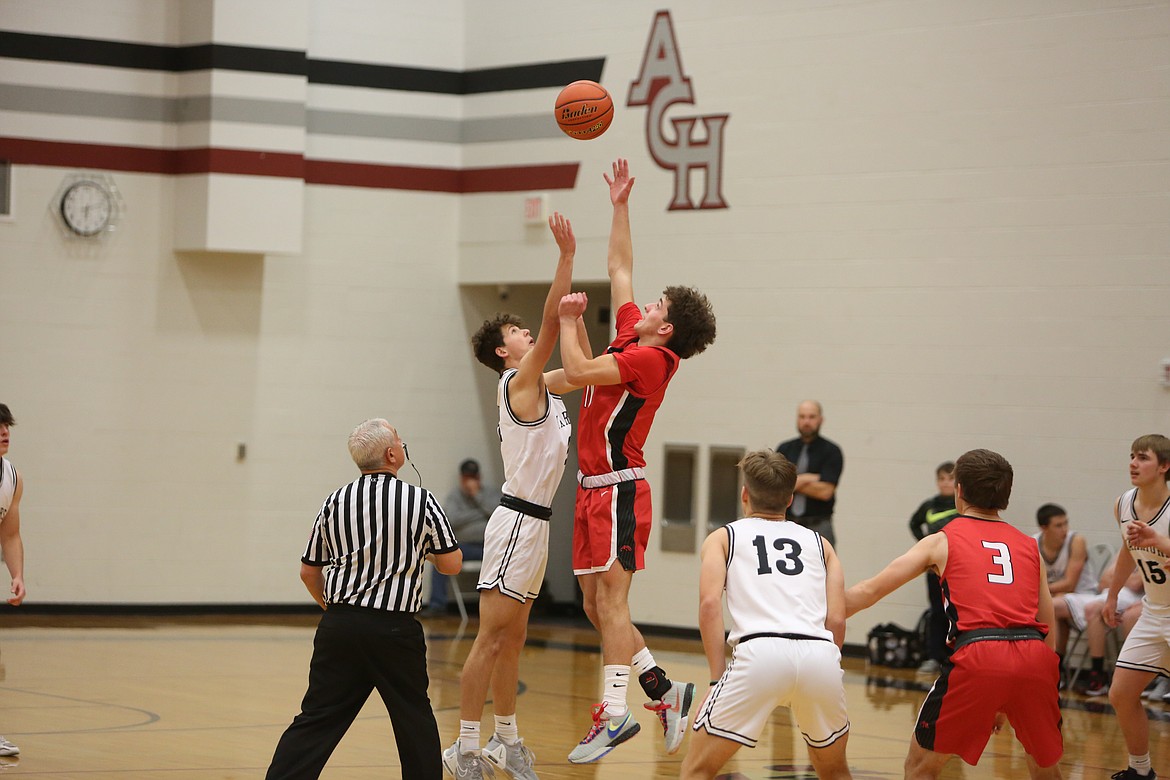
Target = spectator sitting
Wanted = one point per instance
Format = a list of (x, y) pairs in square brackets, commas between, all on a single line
[(468, 507)]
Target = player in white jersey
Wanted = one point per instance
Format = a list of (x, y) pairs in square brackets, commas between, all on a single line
[(515, 548), (1143, 514), (786, 597), (11, 490), (534, 443)]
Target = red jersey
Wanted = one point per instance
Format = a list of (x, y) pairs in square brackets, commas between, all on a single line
[(992, 579), (615, 419)]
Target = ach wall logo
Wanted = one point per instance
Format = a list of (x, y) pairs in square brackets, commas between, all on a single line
[(660, 84)]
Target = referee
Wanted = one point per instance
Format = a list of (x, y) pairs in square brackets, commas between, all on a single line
[(363, 565)]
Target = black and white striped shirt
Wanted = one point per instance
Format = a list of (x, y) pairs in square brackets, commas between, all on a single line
[(373, 534)]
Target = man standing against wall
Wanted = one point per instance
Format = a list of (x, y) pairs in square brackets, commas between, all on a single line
[(819, 463), (11, 489), (368, 637)]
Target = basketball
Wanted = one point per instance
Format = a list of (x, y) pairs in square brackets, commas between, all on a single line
[(584, 110)]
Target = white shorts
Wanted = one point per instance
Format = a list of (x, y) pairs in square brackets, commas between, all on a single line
[(1076, 603), (515, 553), (768, 672), (1147, 648)]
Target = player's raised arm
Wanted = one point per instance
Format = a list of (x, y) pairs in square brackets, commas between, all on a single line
[(620, 259), (581, 370), (527, 387)]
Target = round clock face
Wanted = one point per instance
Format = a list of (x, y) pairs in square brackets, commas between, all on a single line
[(87, 208)]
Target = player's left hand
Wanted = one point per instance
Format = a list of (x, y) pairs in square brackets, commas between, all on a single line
[(1000, 720), (562, 231), (621, 183)]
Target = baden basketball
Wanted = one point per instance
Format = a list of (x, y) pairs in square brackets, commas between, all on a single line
[(584, 110)]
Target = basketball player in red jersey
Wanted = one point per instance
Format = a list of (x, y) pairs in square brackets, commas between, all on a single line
[(624, 388), (1003, 659)]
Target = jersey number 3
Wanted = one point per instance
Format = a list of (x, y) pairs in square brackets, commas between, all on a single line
[(1003, 559), (789, 561)]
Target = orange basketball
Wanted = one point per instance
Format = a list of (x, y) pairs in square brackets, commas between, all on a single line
[(584, 110)]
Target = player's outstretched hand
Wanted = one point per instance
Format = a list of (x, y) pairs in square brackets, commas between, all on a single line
[(621, 183), (573, 305), (562, 231)]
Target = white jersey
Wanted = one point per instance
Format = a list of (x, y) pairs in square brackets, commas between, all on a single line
[(775, 579), (534, 452), (1153, 565), (1086, 583), (7, 485)]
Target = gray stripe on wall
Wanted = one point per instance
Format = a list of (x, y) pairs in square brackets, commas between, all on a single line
[(141, 108), (42, 100), (110, 105), (285, 113), (510, 128), (406, 128)]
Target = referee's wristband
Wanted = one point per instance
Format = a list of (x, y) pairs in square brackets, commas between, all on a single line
[(712, 683)]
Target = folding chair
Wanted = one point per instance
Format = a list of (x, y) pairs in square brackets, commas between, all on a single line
[(469, 567), (1100, 556)]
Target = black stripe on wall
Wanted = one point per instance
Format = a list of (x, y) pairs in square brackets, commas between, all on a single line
[(145, 56), (214, 56)]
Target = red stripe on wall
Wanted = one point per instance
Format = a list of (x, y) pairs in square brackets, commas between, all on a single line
[(25, 151), (239, 161), (389, 177)]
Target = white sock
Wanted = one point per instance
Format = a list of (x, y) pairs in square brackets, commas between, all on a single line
[(617, 680), (507, 729), (469, 736), (643, 661), (1141, 764)]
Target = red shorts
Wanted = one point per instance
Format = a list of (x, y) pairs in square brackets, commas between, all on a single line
[(611, 523), (1018, 679)]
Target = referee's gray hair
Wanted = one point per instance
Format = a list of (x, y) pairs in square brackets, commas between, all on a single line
[(369, 441)]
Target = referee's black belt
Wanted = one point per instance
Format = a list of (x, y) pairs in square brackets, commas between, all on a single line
[(997, 635), (773, 635), (527, 507)]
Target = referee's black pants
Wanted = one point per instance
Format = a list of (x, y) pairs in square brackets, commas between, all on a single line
[(355, 651)]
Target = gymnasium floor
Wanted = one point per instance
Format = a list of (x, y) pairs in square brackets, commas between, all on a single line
[(101, 698)]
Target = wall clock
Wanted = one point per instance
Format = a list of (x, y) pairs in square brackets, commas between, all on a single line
[(87, 207)]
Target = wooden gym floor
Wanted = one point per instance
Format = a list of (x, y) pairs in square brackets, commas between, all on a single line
[(101, 698)]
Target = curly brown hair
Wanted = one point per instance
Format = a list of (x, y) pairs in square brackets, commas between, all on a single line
[(693, 319), (490, 336)]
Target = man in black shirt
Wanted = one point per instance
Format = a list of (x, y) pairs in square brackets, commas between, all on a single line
[(819, 463)]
